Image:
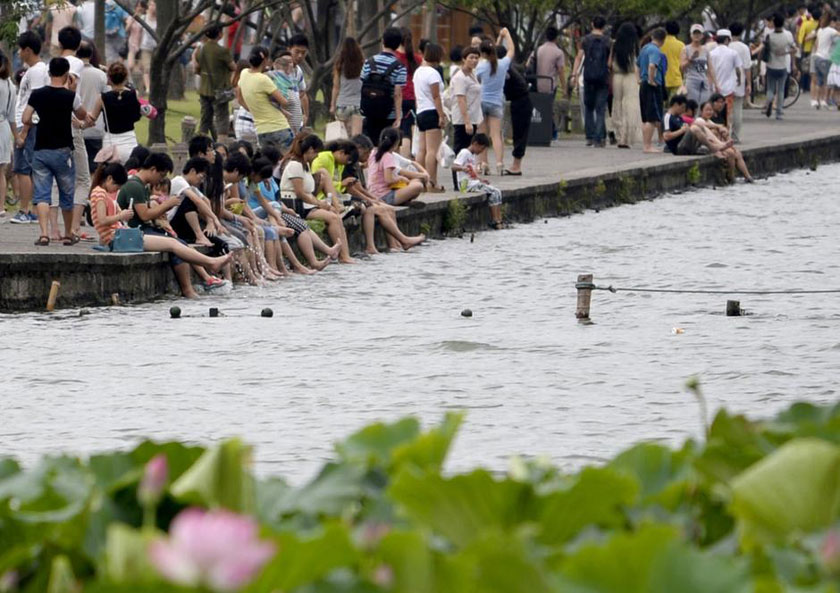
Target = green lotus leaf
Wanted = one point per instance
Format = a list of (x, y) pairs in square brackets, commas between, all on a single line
[(794, 490)]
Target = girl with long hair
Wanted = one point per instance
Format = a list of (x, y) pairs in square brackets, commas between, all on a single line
[(107, 218), (626, 112), (347, 86), (491, 72), (428, 88), (299, 190), (411, 60), (384, 182)]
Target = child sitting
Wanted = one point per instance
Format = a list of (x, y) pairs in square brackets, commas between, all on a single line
[(466, 165), (160, 194), (690, 111)]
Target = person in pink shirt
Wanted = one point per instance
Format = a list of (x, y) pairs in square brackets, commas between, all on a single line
[(382, 178)]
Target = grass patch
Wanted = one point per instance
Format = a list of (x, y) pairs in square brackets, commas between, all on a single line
[(175, 112)]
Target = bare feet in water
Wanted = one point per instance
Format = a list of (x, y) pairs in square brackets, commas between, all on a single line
[(414, 241)]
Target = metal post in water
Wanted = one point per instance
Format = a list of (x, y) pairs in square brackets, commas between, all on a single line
[(733, 308)]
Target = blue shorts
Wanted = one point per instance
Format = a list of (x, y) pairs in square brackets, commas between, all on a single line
[(390, 197), (492, 110), (270, 233), (54, 164), (22, 161)]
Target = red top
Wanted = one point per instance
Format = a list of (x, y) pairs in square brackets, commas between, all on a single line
[(408, 89)]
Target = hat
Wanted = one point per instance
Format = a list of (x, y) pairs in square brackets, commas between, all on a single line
[(695, 27), (724, 33)]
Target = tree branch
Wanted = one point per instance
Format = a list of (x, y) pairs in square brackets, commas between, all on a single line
[(265, 4), (361, 35)]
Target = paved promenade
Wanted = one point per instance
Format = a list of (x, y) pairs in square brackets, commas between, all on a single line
[(568, 159)]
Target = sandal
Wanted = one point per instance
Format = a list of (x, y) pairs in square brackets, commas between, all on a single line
[(70, 241), (42, 241), (514, 173)]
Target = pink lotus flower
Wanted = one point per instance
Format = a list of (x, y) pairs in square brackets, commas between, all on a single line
[(830, 552), (217, 549), (154, 480)]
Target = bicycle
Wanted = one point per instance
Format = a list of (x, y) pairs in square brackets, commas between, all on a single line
[(792, 88)]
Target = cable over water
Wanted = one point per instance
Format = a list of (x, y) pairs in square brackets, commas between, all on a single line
[(615, 289)]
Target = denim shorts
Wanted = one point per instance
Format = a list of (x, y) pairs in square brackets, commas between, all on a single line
[(390, 197), (345, 112), (22, 160), (822, 66), (280, 138), (492, 110), (53, 164)]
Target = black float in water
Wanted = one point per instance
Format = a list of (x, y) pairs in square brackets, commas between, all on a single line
[(214, 312), (733, 309), (266, 313), (175, 312), (466, 313)]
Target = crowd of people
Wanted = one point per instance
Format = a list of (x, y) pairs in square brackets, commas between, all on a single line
[(258, 177)]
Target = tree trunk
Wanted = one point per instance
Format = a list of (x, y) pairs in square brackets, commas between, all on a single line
[(177, 82), (99, 27), (161, 73), (430, 22)]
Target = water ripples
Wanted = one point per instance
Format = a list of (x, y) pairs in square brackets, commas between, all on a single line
[(385, 339)]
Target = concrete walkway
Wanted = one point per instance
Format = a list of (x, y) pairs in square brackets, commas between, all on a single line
[(567, 159)]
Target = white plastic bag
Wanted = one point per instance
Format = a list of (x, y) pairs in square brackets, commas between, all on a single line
[(445, 155), (335, 131), (415, 141)]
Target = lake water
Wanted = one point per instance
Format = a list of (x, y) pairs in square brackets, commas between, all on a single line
[(385, 339)]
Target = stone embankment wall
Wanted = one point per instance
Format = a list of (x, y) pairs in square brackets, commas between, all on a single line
[(92, 279)]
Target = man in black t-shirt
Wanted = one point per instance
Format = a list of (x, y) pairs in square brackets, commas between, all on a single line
[(53, 155)]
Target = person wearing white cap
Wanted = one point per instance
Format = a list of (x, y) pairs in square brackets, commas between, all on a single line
[(69, 40), (694, 63), (726, 70)]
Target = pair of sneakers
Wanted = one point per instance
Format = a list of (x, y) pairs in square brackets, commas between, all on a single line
[(23, 218)]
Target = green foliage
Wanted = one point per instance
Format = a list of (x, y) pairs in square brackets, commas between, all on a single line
[(693, 174), (748, 511), (455, 218)]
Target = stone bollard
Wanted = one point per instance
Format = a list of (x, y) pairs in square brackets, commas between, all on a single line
[(159, 147), (188, 127), (180, 154)]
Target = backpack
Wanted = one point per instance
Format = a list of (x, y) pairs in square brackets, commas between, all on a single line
[(765, 50), (595, 60), (378, 91)]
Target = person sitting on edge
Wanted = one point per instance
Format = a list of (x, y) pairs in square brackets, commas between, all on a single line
[(332, 161), (277, 232), (690, 111), (298, 189), (383, 180), (264, 203), (134, 196), (466, 165), (718, 132), (107, 217), (237, 217)]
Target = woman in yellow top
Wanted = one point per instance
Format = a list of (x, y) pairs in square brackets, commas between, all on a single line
[(257, 91)]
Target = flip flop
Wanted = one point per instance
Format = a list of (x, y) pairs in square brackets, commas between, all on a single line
[(514, 173), (42, 241)]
